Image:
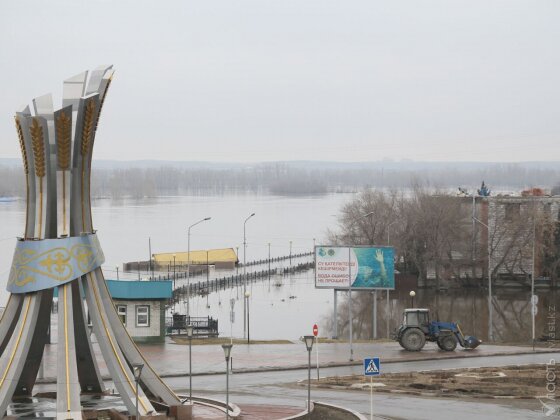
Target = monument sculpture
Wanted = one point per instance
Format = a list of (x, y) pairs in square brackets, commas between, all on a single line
[(59, 248)]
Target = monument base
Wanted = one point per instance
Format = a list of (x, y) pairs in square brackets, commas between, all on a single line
[(181, 412)]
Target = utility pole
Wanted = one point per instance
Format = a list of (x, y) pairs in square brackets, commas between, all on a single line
[(350, 302), (533, 303), (490, 306)]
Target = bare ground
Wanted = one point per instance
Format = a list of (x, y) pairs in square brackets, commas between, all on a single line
[(516, 382)]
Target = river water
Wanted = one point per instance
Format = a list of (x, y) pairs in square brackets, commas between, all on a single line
[(125, 225), (284, 306)]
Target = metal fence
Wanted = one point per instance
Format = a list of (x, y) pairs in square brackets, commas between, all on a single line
[(177, 324)]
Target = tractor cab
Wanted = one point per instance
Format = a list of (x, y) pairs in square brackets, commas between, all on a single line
[(417, 317)]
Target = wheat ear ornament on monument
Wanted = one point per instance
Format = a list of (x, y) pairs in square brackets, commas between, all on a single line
[(60, 248)]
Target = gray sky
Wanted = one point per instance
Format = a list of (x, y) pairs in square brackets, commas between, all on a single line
[(252, 80)]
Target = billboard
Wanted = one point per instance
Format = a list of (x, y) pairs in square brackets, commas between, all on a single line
[(371, 267)]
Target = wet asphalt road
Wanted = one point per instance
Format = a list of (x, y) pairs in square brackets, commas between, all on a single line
[(278, 388), (275, 388)]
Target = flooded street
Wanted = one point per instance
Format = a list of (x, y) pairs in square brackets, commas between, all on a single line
[(287, 307)]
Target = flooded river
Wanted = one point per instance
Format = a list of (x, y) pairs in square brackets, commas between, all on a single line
[(286, 306)]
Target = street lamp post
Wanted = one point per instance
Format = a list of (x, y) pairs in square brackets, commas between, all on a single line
[(207, 281), (190, 336), (533, 297), (245, 272), (137, 371), (174, 278), (227, 354), (412, 294), (490, 306), (387, 309), (374, 314), (247, 296), (207, 268), (309, 345), (237, 255), (350, 288), (189, 263)]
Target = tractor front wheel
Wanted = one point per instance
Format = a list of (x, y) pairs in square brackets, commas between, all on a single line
[(413, 339), (447, 342)]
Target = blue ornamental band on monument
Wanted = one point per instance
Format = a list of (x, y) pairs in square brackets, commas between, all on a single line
[(39, 265), (60, 248)]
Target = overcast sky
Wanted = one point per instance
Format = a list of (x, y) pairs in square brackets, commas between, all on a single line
[(259, 80)]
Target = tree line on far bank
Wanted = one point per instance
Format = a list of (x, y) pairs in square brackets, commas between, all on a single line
[(288, 179)]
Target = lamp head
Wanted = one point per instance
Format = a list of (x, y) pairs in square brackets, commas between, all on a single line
[(247, 294), (207, 218), (189, 331), (308, 339), (412, 293), (227, 350), (137, 370)]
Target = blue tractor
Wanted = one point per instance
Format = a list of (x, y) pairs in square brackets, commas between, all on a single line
[(417, 328)]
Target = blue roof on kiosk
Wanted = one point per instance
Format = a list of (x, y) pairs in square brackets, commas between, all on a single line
[(135, 289)]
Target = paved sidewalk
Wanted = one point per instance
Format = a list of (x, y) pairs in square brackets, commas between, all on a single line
[(170, 359), (269, 412)]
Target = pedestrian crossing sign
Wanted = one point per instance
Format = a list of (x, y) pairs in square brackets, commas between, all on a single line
[(372, 366)]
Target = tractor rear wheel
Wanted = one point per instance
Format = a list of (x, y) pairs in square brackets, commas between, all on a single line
[(413, 339), (447, 342)]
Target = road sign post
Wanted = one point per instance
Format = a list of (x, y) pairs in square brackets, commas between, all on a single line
[(372, 367), (316, 334)]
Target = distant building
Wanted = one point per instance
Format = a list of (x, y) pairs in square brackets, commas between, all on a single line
[(220, 258), (517, 226), (500, 238)]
